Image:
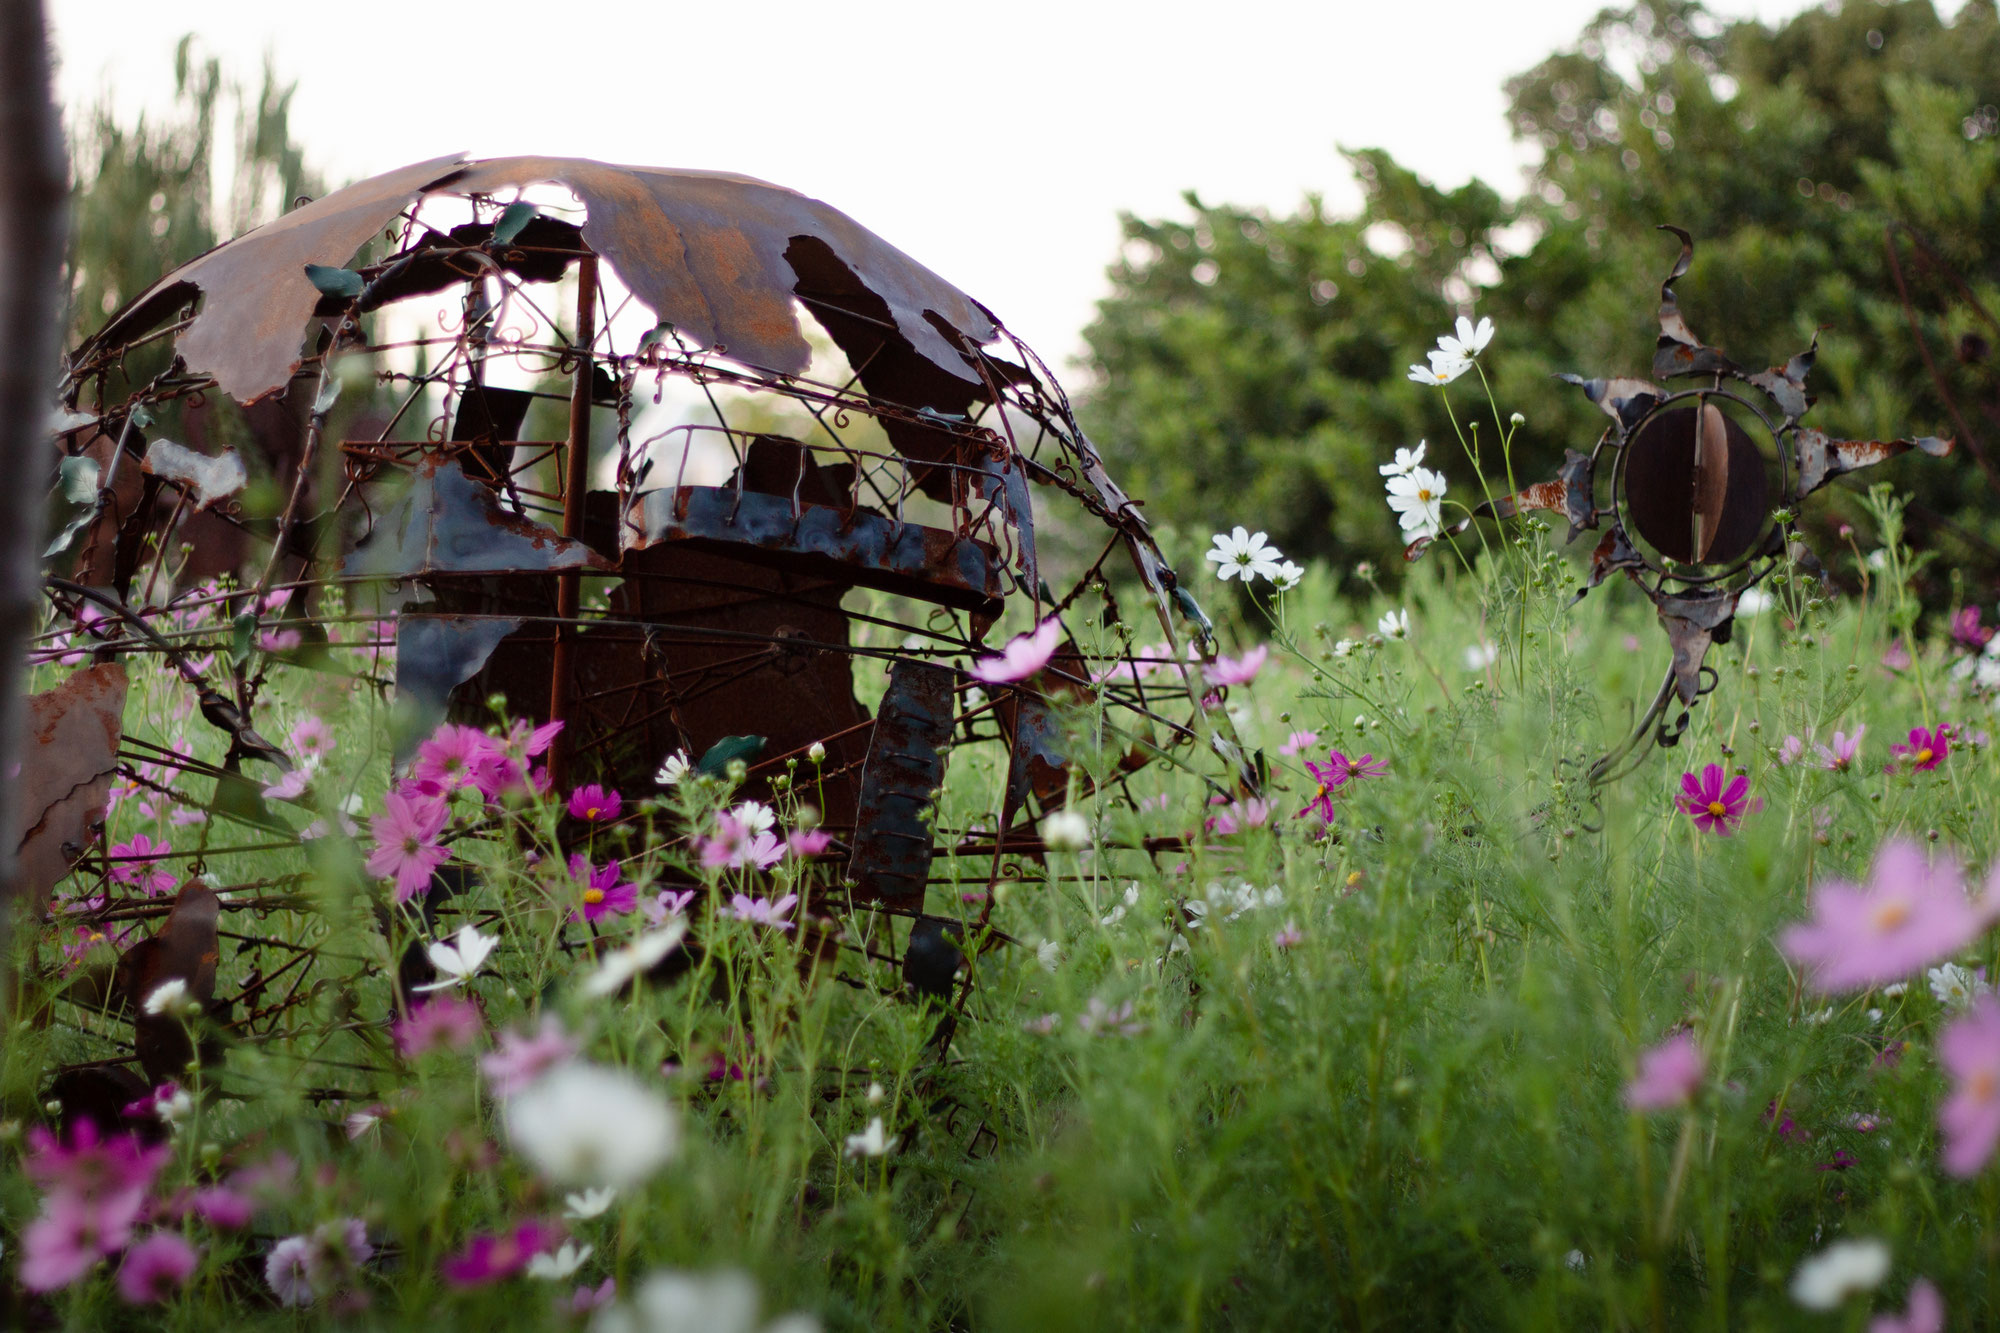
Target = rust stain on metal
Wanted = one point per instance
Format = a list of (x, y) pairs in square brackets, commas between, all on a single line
[(67, 768)]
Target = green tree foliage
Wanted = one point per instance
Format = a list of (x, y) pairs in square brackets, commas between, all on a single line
[(1251, 368)]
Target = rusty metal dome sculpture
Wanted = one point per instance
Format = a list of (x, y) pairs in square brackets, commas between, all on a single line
[(685, 589)]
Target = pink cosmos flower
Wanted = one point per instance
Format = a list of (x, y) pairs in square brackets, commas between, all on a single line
[(1913, 914), (155, 1268), (1716, 809), (1238, 670), (305, 1267), (134, 864), (585, 1298), (1789, 752), (1969, 1050), (736, 842), (1289, 936), (1367, 766), (1670, 1075), (290, 787), (95, 1189), (1897, 658), (1967, 632), (313, 740), (406, 841), (1099, 1019), (221, 1206), (1299, 742), (280, 640), (591, 802), (763, 912), (1839, 757), (452, 756), (602, 893), (1238, 816), (446, 1021), (505, 765), (1925, 1315), (805, 842), (182, 815), (1927, 749), (1024, 655), (494, 1257), (516, 1061), (666, 903), (1330, 778), (288, 1270)]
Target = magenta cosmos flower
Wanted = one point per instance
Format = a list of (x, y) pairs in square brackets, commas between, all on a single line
[(1969, 1050), (491, 1258), (1670, 1075), (406, 841), (591, 802), (1238, 670), (1024, 655), (1926, 749), (95, 1190), (452, 757), (602, 893), (1716, 809), (1336, 772), (137, 863), (156, 1268), (1913, 914)]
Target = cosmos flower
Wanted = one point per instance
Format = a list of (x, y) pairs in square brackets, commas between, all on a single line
[(406, 841), (1288, 576), (735, 843), (1022, 657), (1842, 1269), (672, 769), (592, 803), (583, 1205), (590, 1125), (1395, 624), (1969, 1119), (1299, 742), (872, 1142), (1839, 757), (1954, 987), (762, 911), (1670, 1074), (313, 740), (621, 965), (1790, 752), (1066, 831), (1926, 748), (446, 1021), (452, 756), (458, 960), (1912, 914), (499, 1255), (1441, 371), (1716, 809), (134, 864), (1417, 497), (517, 1060), (602, 893), (1466, 340), (1242, 554), (1238, 670), (561, 1264), (156, 1267), (1924, 1315), (1406, 462)]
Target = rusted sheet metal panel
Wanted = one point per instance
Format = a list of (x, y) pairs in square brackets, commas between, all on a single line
[(1692, 623), (892, 847), (1821, 459), (1036, 762), (860, 545), (1625, 401), (67, 768), (1787, 383), (436, 654), (450, 524), (186, 949), (256, 300), (1679, 352)]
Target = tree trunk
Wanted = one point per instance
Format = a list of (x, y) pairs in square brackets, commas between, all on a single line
[(34, 201)]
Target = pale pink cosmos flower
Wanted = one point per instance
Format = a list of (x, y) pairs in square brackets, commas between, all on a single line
[(1299, 742), (586, 1298), (155, 1268), (516, 1061), (666, 903), (763, 912), (1239, 816), (736, 842), (290, 787), (406, 841), (1969, 1050), (1289, 936), (1789, 752), (1238, 670), (446, 1021), (807, 842), (1839, 757), (1912, 915), (1024, 655), (1670, 1074), (288, 1270), (313, 740), (1925, 1313), (222, 1206)]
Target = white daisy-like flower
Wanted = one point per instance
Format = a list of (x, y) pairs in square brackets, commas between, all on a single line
[(1469, 342), (1346, 647), (1479, 656), (1754, 602), (562, 1264), (1418, 500), (722, 1302), (586, 1204), (1288, 576), (1049, 954), (755, 816), (1955, 987), (1395, 625), (457, 961), (629, 960), (592, 1125), (672, 769), (873, 1141), (1242, 554), (1842, 1269), (1066, 831), (1441, 371), (169, 997), (1406, 461)]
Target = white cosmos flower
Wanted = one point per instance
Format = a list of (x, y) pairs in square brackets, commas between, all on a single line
[(1346, 647), (721, 1302), (1049, 954), (560, 1265), (584, 1124), (1754, 602), (872, 1142), (1955, 987), (1406, 460), (457, 961), (1417, 497), (754, 816), (1441, 371), (1839, 1271), (1066, 831), (1395, 625), (1470, 341), (1480, 655), (672, 769), (586, 1204), (1288, 576), (629, 960), (1243, 554), (169, 997)]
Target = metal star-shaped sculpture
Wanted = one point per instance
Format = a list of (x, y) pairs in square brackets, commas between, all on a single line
[(1699, 495)]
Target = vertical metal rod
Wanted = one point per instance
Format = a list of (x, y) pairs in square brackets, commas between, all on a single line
[(576, 484)]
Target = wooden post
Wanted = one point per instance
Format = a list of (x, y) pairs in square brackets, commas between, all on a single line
[(576, 484)]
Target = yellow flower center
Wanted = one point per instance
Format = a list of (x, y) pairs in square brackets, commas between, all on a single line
[(1718, 809), (1982, 1085), (1323, 790), (1353, 878), (1423, 493), (593, 896), (1924, 755), (1891, 914)]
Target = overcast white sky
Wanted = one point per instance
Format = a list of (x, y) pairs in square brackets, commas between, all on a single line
[(995, 142)]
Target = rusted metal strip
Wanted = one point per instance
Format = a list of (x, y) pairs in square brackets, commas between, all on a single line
[(899, 785)]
